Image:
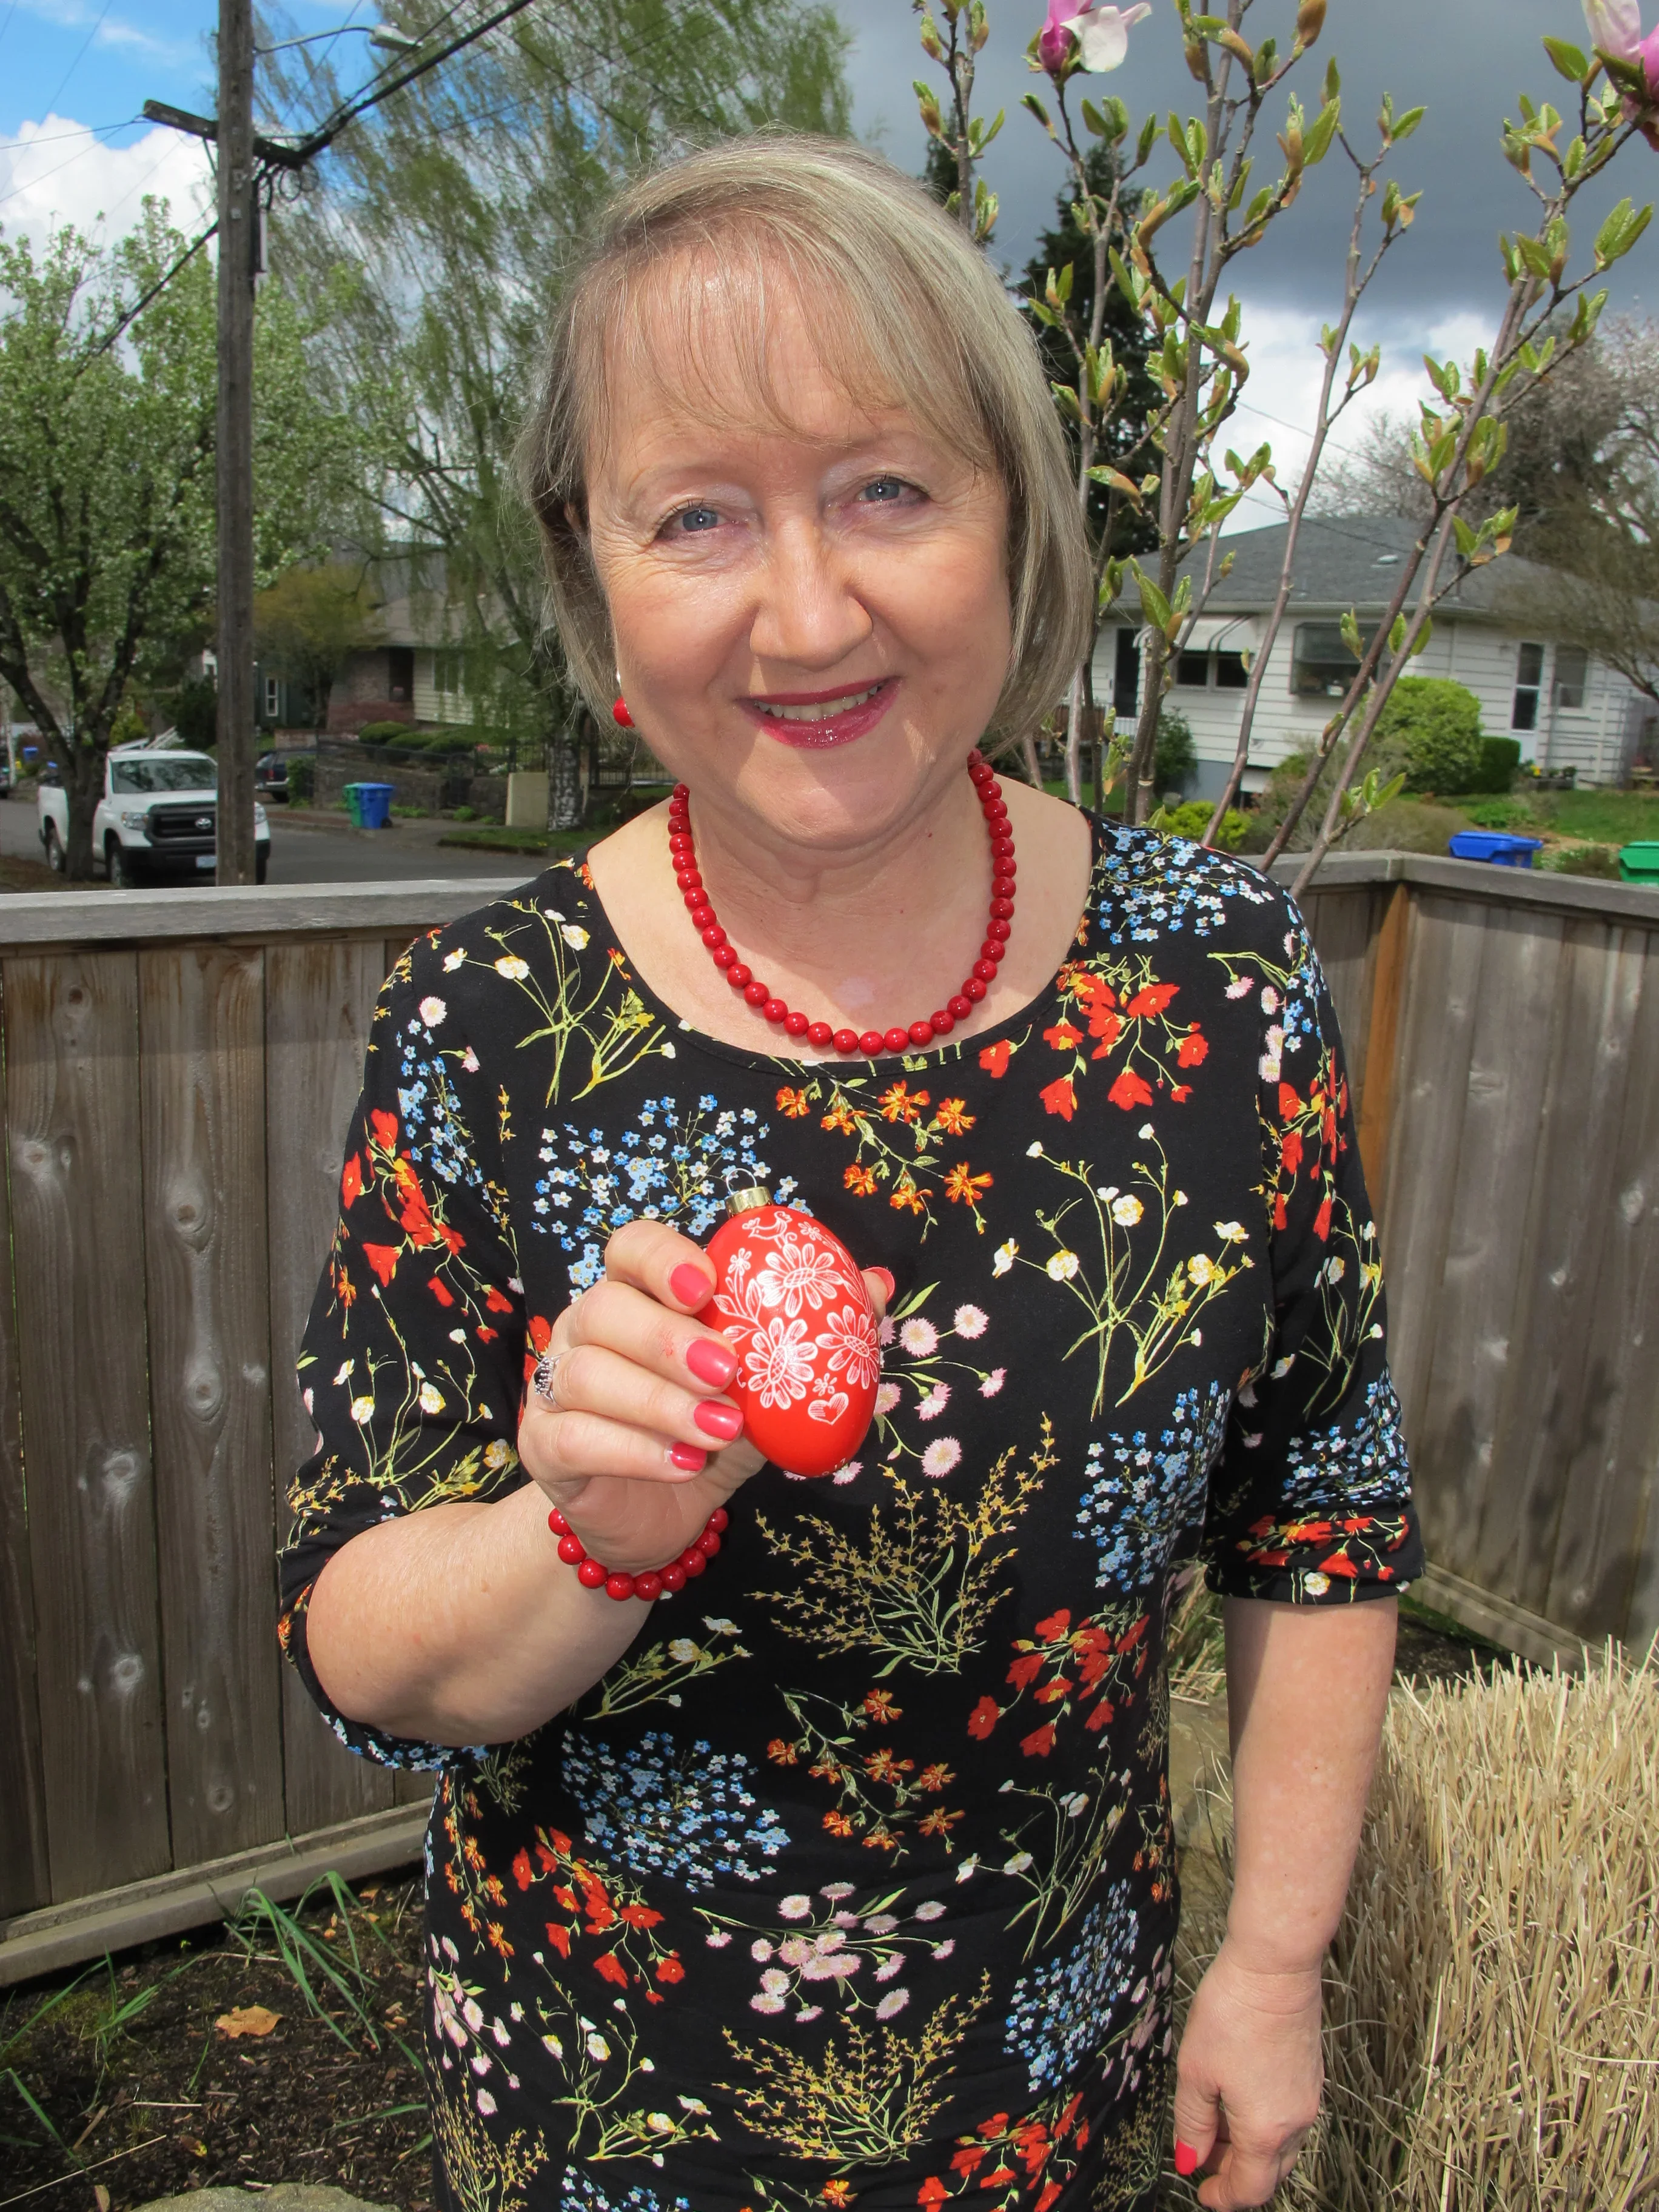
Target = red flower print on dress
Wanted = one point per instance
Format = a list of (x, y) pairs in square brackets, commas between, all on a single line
[(1194, 1048), (351, 1181), (1152, 999), (1060, 1098), (384, 1127), (383, 1258), (994, 1058), (1130, 1090)]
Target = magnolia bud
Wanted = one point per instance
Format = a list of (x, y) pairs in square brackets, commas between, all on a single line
[(1309, 20)]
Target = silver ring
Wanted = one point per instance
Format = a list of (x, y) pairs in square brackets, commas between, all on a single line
[(542, 1381)]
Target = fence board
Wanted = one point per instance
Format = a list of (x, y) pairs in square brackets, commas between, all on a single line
[(1442, 970), (319, 997), (1604, 1555), (1468, 1372), (78, 1256), (201, 1021), (1342, 926), (25, 1875), (1599, 991)]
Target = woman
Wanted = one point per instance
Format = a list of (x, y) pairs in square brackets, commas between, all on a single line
[(845, 1876)]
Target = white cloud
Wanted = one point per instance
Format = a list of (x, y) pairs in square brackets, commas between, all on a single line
[(1281, 397), (55, 172)]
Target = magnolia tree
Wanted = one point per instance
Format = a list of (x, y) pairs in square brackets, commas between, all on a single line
[(1168, 241)]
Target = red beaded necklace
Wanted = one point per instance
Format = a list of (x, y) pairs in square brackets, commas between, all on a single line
[(761, 996)]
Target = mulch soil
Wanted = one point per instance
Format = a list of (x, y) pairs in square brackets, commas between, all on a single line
[(127, 2088)]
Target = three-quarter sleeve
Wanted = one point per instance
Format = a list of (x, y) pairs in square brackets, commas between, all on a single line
[(413, 1362), (1310, 1500)]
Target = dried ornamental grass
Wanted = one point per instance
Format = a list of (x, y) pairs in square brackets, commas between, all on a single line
[(1492, 1995)]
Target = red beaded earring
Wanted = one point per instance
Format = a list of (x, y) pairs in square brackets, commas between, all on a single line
[(620, 715)]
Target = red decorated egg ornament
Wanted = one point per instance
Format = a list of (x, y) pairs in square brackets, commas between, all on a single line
[(791, 1302)]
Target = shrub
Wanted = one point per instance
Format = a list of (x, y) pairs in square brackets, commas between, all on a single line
[(1499, 759), (301, 779), (1175, 757), (1490, 2036), (1585, 861), (1434, 725), (384, 734), (1193, 819)]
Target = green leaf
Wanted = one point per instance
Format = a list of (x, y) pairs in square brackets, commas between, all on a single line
[(1153, 605), (1404, 125), (1318, 142), (1029, 101), (1351, 636)]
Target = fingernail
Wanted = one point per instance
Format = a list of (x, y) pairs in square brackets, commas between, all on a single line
[(691, 1284), (725, 1422), (1186, 2160), (885, 1279), (712, 1363), (688, 1457)]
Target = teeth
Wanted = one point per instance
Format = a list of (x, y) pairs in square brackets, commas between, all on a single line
[(823, 711)]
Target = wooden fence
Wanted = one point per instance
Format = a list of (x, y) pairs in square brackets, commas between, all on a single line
[(179, 1070)]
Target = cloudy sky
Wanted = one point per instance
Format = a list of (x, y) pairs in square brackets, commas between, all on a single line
[(74, 73)]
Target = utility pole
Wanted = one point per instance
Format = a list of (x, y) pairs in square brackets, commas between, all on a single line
[(238, 236)]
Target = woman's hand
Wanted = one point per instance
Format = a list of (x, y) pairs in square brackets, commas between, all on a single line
[(1247, 2078), (639, 1443)]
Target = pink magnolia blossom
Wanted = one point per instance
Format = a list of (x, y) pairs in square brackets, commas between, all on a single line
[(1615, 28), (1102, 34)]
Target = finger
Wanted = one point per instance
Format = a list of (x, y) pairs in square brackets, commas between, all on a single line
[(637, 1327), (594, 1379), (560, 1448), (1196, 2115), (878, 1286), (656, 1259), (1246, 2175)]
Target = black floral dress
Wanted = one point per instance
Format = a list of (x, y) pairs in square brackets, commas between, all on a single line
[(852, 1883)]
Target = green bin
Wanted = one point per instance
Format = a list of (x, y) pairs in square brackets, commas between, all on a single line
[(1639, 863), (353, 795)]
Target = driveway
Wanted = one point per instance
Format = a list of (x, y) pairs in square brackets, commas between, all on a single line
[(313, 851)]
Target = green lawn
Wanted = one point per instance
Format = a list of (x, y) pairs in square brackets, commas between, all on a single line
[(1593, 818)]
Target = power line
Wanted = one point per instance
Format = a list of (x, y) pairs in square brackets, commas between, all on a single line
[(81, 57)]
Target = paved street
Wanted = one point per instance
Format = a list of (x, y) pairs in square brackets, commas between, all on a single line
[(312, 853)]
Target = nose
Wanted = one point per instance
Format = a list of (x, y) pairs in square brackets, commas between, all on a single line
[(808, 613)]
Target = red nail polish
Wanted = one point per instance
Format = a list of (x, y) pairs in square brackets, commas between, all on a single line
[(688, 1457), (690, 1285), (725, 1422), (712, 1363), (1186, 2160), (883, 1276)]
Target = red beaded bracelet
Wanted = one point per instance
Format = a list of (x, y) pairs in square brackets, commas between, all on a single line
[(656, 1582)]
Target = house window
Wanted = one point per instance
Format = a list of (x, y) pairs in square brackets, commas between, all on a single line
[(1529, 682), (1320, 662), (1192, 670), (400, 659), (1571, 673), (273, 699), (1230, 673), (446, 669), (1126, 677)]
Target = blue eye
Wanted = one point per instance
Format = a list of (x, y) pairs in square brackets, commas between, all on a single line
[(882, 491), (696, 518)]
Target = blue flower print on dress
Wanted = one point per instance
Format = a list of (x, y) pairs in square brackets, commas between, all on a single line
[(1143, 1494), (580, 2192), (672, 1165), (1060, 2012), (1156, 886), (685, 1813), (1358, 1467), (433, 1126)]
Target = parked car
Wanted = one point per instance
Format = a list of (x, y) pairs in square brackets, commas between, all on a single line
[(5, 777), (158, 818), (270, 776)]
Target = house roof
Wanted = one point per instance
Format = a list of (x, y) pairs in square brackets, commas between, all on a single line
[(1352, 561)]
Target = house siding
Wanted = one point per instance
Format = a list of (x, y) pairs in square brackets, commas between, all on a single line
[(1596, 740)]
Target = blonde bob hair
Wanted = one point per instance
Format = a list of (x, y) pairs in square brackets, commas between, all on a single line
[(909, 315)]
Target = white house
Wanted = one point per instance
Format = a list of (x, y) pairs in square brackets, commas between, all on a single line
[(1566, 708)]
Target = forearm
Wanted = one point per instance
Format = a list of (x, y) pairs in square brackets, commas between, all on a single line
[(461, 1625), (1306, 1691)]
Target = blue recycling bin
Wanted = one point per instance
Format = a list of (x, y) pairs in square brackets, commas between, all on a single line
[(1503, 852), (371, 804)]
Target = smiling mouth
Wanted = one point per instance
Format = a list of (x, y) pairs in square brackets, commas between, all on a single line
[(819, 710)]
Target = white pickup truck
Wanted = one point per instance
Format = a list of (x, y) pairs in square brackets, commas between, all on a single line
[(157, 818)]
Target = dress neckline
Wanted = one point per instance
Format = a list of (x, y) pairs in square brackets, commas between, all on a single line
[(952, 1049)]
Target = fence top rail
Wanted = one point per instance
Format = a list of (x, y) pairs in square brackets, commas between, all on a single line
[(35, 920), (1480, 879)]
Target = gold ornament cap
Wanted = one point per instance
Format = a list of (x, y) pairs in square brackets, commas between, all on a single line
[(746, 1200)]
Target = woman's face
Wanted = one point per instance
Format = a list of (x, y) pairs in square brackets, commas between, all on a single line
[(812, 621)]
